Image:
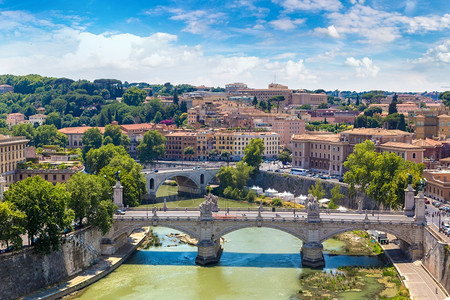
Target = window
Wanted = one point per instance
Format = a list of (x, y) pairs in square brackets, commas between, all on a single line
[(414, 155)]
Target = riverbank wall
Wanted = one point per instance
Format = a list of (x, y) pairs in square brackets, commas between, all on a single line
[(436, 258), (25, 271), (299, 185)]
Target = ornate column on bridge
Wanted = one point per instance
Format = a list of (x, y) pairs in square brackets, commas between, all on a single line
[(118, 194), (409, 198), (312, 249), (209, 248)]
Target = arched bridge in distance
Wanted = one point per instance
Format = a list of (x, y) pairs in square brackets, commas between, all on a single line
[(311, 225), (190, 181)]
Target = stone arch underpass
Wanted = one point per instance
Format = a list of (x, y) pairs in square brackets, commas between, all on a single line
[(189, 181), (312, 234)]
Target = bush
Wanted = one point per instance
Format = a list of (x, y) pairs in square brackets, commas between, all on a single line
[(251, 196), (277, 202)]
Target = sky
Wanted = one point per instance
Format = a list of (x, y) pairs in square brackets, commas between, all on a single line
[(357, 45)]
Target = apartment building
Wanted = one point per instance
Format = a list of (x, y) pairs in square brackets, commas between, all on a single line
[(271, 91), (302, 97), (12, 152), (271, 141), (286, 128), (327, 153), (431, 123), (37, 119), (320, 152), (232, 88), (75, 135), (204, 144), (177, 142), (438, 184)]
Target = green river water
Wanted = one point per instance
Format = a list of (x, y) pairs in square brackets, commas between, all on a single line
[(257, 263)]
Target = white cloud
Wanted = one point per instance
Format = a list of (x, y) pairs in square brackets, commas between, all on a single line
[(286, 23), (330, 31), (198, 21), (285, 55), (323, 57), (378, 27), (436, 55), (293, 5), (364, 67)]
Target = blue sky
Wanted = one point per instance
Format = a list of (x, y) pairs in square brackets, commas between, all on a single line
[(401, 45)]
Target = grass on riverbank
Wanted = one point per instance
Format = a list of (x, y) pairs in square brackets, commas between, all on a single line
[(350, 282), (358, 243)]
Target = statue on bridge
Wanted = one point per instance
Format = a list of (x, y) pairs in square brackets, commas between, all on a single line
[(312, 208), (208, 206)]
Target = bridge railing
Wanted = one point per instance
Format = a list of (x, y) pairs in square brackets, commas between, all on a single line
[(277, 209), (281, 219)]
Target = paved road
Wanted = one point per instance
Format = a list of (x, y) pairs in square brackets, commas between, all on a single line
[(420, 284)]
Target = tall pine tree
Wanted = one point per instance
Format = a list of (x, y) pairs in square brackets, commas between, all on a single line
[(393, 105)]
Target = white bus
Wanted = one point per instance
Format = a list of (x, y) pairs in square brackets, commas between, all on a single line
[(295, 171)]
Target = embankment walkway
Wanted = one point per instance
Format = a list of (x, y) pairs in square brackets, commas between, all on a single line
[(420, 283), (106, 265)]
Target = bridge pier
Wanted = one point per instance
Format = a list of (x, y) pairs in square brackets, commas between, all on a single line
[(209, 252), (312, 255)]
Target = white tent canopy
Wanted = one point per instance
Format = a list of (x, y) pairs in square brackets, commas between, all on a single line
[(286, 196), (324, 200), (271, 192), (341, 208)]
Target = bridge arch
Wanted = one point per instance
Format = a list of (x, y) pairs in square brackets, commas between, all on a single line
[(130, 228), (300, 235), (389, 229)]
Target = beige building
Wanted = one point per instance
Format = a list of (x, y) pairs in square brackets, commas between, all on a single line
[(301, 98), (438, 184), (12, 152), (272, 90), (15, 118), (38, 118), (408, 152), (319, 152)]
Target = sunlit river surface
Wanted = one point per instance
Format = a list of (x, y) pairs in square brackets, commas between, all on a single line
[(257, 263)]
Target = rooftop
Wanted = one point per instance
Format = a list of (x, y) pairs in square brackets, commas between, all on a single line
[(375, 131), (317, 138), (401, 146)]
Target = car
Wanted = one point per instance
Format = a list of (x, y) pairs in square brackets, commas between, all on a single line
[(427, 201), (196, 168), (119, 212), (277, 171), (155, 171)]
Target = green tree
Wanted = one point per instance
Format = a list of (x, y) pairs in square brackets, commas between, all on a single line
[(188, 151), (357, 100), (445, 97), (285, 156), (226, 155), (372, 110), (158, 118), (241, 174), (322, 105), (12, 225), (53, 118), (151, 147), (393, 105), (276, 99), (92, 139), (134, 96), (87, 192), (175, 97), (253, 153), (96, 159), (336, 196), (114, 132), (317, 190), (360, 164), (25, 129), (49, 135), (255, 101), (45, 206), (131, 191)]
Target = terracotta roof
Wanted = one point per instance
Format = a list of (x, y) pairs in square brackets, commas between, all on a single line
[(318, 138), (375, 131), (81, 130), (426, 143), (400, 145), (447, 159), (137, 126)]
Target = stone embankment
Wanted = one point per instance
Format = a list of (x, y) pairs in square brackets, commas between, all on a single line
[(436, 258), (299, 185), (25, 271)]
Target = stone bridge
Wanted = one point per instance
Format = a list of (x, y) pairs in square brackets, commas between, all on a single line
[(190, 181), (311, 226)]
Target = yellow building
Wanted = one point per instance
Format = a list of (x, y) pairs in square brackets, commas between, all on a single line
[(12, 152), (271, 141), (224, 141)]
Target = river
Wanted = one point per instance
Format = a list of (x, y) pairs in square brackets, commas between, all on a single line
[(257, 263)]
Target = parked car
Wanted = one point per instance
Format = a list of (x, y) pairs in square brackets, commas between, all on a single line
[(427, 201), (196, 168), (119, 212)]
